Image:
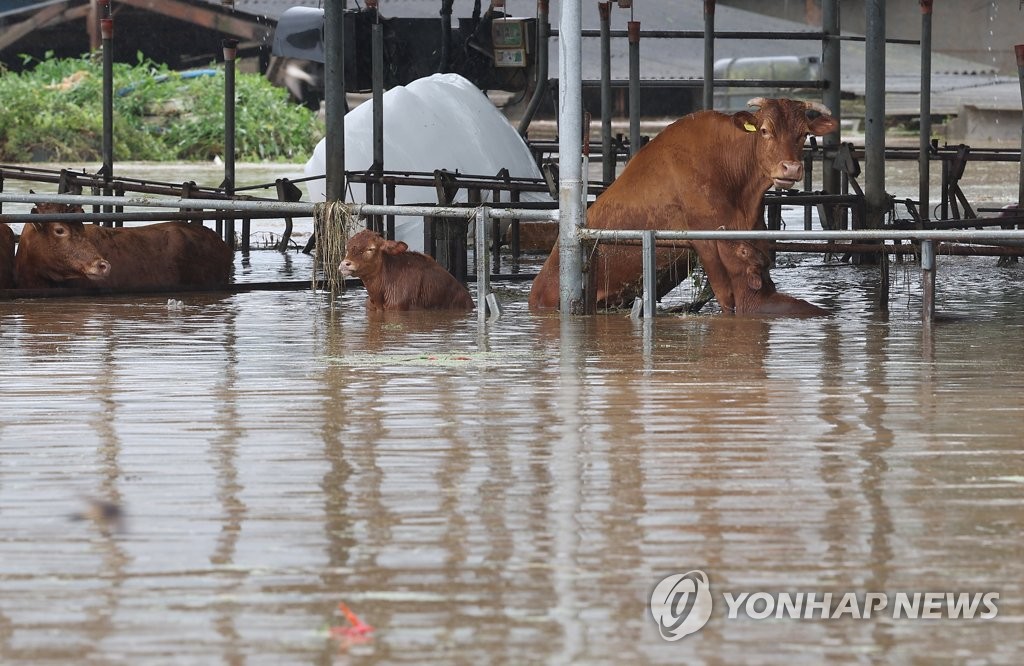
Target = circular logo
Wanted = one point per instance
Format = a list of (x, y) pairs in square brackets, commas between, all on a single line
[(681, 604)]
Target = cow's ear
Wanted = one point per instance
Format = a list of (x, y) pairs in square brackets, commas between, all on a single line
[(745, 120), (823, 125), (395, 247)]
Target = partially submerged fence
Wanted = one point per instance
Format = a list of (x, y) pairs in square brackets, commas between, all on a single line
[(484, 215)]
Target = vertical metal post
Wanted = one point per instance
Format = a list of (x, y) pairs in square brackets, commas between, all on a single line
[(830, 69), (874, 116), (107, 33), (1019, 50), (483, 268), (926, 108), (650, 274), (377, 49), (230, 50), (541, 86), (709, 54), (944, 200), (571, 214), (334, 97), (607, 157), (808, 186), (928, 282), (875, 198), (633, 30), (446, 33)]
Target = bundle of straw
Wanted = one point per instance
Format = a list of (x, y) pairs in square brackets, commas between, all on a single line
[(334, 224)]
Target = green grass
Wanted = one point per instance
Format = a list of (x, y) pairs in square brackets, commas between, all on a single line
[(52, 112)]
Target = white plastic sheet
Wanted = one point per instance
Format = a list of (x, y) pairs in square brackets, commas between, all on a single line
[(438, 122)]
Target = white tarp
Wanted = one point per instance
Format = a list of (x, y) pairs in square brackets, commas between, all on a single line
[(438, 122)]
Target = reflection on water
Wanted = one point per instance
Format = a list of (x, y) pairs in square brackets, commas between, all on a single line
[(512, 493)]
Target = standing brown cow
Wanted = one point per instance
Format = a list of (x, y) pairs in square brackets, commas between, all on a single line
[(6, 257), (397, 279), (156, 256), (707, 170)]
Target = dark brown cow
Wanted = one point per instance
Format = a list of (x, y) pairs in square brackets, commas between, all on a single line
[(156, 256), (707, 170), (397, 279), (6, 257)]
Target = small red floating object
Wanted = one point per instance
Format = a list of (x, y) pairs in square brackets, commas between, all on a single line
[(356, 629)]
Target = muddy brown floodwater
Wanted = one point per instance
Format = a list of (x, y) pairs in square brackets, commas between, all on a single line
[(511, 493)]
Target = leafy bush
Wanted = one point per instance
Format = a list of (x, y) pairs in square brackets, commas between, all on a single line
[(53, 112)]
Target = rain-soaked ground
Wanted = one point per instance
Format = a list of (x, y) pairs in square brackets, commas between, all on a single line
[(512, 493)]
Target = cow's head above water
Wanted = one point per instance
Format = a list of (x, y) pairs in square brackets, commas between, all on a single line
[(58, 251), (781, 127), (364, 253)]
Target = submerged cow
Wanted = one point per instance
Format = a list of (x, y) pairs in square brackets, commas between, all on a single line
[(6, 257), (156, 256), (399, 279), (707, 170)]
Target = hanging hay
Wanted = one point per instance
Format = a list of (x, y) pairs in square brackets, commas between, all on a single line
[(334, 224)]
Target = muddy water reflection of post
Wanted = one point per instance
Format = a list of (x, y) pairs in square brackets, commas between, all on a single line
[(224, 458), (565, 458), (115, 559), (48, 331), (615, 486), (342, 450), (873, 480), (840, 530)]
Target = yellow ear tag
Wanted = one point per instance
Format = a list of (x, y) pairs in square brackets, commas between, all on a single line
[(749, 127)]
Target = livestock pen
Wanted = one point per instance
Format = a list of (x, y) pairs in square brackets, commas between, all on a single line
[(484, 215)]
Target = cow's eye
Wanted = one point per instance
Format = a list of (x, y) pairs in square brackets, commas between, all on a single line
[(59, 230), (764, 132)]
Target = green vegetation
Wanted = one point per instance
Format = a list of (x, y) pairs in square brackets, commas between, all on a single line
[(53, 112)]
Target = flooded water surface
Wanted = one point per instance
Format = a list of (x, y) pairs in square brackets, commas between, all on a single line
[(205, 478), (512, 492)]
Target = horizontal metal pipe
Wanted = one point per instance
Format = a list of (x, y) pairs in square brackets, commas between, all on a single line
[(300, 208), (358, 210), (611, 235), (958, 249), (165, 216), (285, 208), (718, 83), (739, 34)]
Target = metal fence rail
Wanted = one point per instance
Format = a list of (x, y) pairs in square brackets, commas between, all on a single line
[(483, 214)]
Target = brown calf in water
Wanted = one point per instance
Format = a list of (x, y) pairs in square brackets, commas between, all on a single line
[(397, 279)]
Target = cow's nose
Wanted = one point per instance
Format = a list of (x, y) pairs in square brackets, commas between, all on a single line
[(792, 170)]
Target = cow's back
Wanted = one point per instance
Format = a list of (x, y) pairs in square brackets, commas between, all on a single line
[(163, 255), (687, 177), (414, 281), (6, 257)]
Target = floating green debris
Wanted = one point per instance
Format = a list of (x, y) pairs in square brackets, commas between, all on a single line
[(446, 359)]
